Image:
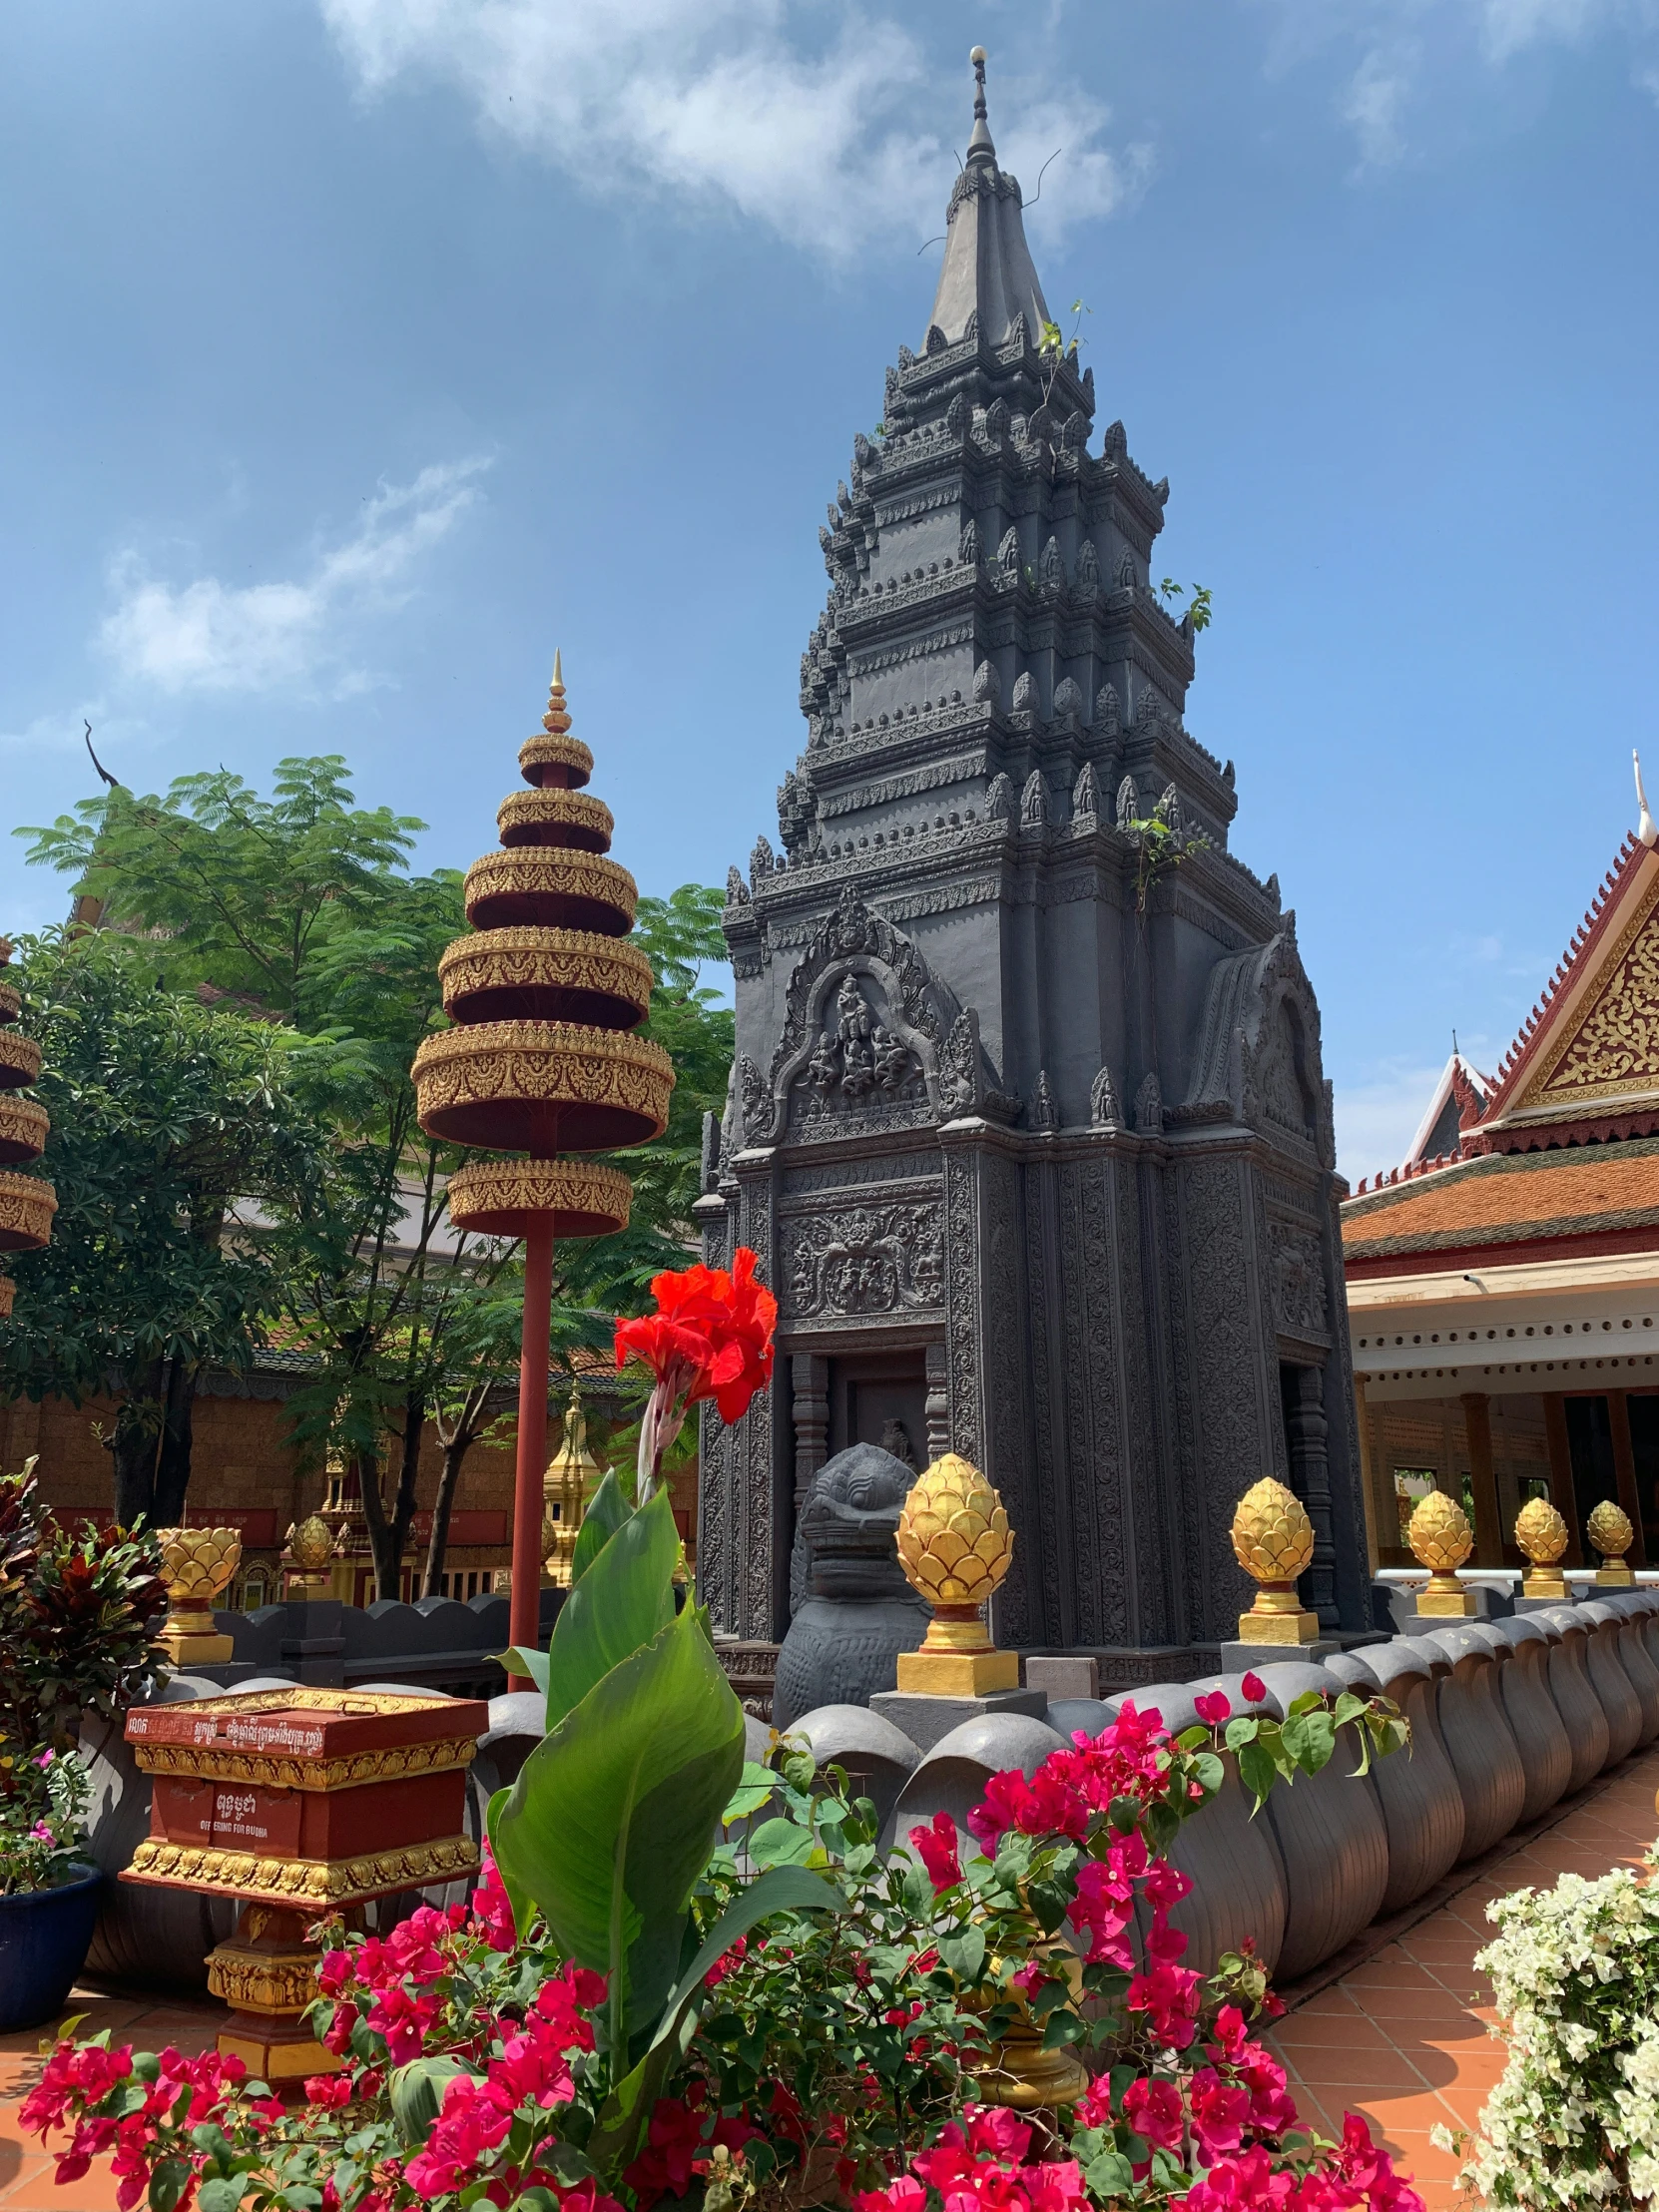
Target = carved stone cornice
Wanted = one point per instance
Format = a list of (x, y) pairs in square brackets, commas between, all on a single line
[(8, 1291), (568, 819), (316, 1882), (495, 1198), (11, 1002), (27, 1205)]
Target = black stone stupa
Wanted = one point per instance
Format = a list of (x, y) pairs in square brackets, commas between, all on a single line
[(1027, 1123)]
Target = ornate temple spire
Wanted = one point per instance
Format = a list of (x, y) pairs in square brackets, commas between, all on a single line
[(988, 271)]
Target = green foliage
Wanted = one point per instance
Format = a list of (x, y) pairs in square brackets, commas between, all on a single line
[(611, 1819), (75, 1609), (1305, 1740), (44, 1796), (247, 891), (1199, 612), (1159, 848), (300, 905), (165, 1114)]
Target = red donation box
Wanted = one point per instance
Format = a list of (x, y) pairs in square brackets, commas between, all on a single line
[(304, 1802)]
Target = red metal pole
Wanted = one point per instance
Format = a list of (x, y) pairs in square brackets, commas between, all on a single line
[(524, 1611)]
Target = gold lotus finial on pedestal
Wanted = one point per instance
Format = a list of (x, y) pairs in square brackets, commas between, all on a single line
[(1609, 1530), (1541, 1534), (197, 1563), (572, 1473), (310, 1546), (1441, 1539), (955, 1548), (1272, 1540)]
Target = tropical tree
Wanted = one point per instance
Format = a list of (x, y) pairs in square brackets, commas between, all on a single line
[(301, 907), (172, 1125)]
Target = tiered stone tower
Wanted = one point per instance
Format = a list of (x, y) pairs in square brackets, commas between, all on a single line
[(1028, 1125), (27, 1201), (543, 997)]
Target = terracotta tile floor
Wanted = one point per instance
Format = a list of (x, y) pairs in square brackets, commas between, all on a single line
[(1398, 2033), (1401, 2036)]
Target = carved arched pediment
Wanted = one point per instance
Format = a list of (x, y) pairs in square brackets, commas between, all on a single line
[(864, 1035), (1257, 1050)]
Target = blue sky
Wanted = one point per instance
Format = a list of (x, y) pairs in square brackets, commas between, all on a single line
[(354, 355)]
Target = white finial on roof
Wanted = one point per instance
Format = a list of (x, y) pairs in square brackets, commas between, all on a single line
[(1646, 829)]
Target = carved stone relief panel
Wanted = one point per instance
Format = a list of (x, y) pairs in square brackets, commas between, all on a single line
[(1233, 1416), (863, 1260), (1301, 1302), (859, 1068)]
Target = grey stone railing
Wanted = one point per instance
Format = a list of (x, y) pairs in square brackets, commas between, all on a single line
[(1510, 1717), (438, 1643)]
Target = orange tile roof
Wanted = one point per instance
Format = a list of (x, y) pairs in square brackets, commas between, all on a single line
[(1507, 1199)]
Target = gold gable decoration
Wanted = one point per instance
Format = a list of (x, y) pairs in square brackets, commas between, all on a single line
[(1613, 1050)]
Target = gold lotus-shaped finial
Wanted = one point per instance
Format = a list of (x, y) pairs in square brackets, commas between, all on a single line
[(1440, 1533), (311, 1543), (955, 1542), (197, 1563), (1541, 1534), (1272, 1540), (1441, 1538), (1609, 1530), (955, 1548)]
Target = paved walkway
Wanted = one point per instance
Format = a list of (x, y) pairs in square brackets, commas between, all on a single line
[(1396, 2029), (1401, 2036)]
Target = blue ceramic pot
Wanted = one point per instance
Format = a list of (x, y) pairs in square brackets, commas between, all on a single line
[(44, 1938)]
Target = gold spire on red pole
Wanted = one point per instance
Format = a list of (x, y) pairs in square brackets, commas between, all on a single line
[(542, 1061)]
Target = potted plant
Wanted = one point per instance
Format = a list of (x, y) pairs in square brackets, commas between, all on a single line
[(48, 1886), (74, 1640)]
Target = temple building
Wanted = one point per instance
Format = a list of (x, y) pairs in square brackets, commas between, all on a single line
[(1503, 1282), (1027, 1122)]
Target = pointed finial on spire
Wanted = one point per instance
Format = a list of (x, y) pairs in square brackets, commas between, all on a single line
[(556, 719), (979, 145), (1646, 829)]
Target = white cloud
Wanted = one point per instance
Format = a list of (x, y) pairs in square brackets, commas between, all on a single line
[(1509, 25), (1372, 101), (1376, 1120), (721, 105), (208, 635)]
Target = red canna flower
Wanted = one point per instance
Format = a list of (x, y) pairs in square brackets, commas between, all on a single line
[(710, 1337)]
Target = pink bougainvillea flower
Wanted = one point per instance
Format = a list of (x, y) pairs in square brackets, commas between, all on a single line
[(1255, 1689), (1214, 1709), (1153, 2109), (937, 1847)]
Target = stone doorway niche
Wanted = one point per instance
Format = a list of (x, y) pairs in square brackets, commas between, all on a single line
[(870, 1390)]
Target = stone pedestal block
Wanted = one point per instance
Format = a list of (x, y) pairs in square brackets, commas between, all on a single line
[(926, 1720)]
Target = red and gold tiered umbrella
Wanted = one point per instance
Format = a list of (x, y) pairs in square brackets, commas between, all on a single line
[(544, 996), (26, 1203)]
